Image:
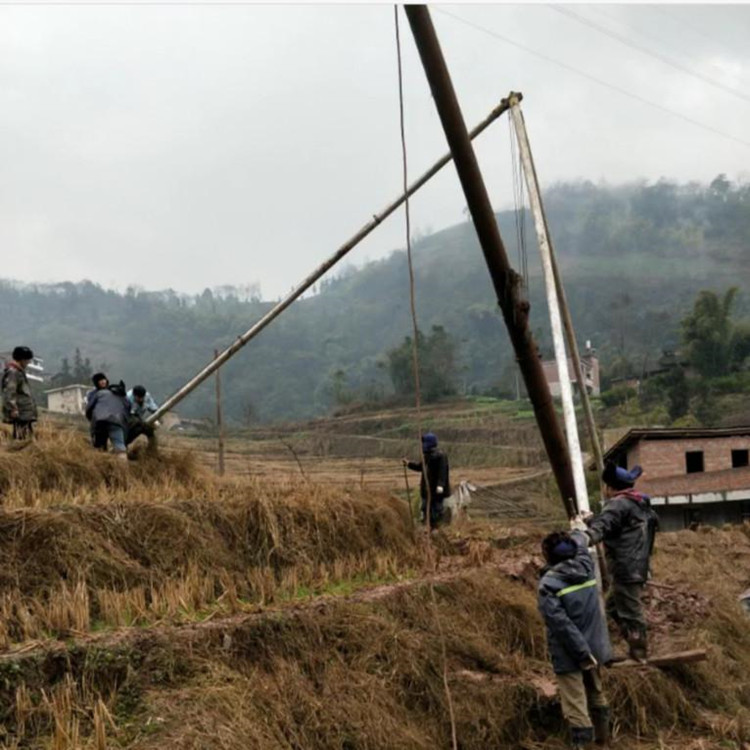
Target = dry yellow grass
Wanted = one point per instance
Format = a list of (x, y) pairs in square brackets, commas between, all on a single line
[(87, 542)]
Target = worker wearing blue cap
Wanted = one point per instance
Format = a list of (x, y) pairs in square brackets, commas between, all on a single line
[(435, 484), (627, 526)]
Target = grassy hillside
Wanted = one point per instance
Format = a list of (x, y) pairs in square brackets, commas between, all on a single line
[(633, 258)]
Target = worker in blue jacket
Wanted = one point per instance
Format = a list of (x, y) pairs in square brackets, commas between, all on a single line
[(577, 636)]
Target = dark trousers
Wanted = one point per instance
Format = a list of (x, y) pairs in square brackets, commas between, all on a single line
[(136, 428), (625, 607), (436, 511), (22, 430)]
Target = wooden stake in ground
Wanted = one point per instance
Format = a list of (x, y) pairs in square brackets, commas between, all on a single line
[(408, 496), (219, 417)]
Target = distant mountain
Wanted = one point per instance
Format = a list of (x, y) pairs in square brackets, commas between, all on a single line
[(633, 257)]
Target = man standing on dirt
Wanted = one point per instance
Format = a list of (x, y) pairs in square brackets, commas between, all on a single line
[(19, 408), (577, 636), (435, 486), (107, 410), (627, 525)]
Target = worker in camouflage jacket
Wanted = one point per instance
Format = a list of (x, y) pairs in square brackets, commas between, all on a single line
[(19, 408), (577, 636), (434, 486), (627, 525)]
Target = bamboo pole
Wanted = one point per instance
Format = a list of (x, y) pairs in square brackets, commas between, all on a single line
[(308, 281)]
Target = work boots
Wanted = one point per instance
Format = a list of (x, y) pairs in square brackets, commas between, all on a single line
[(581, 737), (600, 716), (637, 645)]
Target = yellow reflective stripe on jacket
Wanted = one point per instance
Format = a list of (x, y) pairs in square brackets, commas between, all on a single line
[(578, 587)]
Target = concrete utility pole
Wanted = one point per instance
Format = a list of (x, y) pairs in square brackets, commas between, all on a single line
[(504, 278), (561, 356), (306, 283)]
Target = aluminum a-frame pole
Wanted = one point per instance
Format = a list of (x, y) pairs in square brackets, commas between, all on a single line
[(558, 337), (575, 355)]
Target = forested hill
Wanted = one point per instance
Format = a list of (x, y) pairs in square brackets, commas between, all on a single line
[(633, 258)]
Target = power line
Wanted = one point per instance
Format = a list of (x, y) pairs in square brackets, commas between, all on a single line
[(694, 29), (590, 77), (659, 40), (646, 51)]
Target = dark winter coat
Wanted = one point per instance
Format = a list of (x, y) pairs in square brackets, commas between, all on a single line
[(17, 396), (627, 526), (438, 474), (106, 406), (569, 603)]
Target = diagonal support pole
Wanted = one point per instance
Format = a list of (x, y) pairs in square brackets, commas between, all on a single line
[(322, 269)]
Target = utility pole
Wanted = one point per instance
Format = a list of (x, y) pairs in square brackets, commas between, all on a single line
[(561, 357), (309, 281), (540, 221), (505, 280), (219, 417)]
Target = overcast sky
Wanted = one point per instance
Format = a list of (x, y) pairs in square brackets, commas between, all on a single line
[(192, 146)]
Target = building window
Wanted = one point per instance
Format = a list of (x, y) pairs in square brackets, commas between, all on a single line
[(622, 460), (740, 459), (694, 461)]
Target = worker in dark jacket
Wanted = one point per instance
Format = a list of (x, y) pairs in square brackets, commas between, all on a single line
[(107, 409), (19, 408), (577, 636), (435, 486), (627, 526)]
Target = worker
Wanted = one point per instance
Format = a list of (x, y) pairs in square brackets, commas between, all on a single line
[(142, 406), (107, 409), (577, 636), (19, 407), (435, 487), (627, 525)]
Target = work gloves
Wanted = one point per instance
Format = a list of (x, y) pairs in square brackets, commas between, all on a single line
[(589, 663), (577, 523)]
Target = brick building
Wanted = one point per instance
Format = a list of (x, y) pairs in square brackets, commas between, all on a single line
[(693, 475)]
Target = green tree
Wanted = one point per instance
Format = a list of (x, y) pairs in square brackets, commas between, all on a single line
[(66, 377), (437, 365), (708, 333)]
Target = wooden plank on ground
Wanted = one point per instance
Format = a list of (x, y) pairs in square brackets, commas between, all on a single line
[(664, 660)]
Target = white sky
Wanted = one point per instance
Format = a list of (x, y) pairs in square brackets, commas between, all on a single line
[(191, 146)]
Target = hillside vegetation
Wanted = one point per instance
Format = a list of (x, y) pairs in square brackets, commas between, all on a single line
[(633, 257)]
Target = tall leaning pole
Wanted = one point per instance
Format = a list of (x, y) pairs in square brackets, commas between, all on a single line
[(515, 310)]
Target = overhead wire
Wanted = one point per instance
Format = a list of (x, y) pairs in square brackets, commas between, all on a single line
[(594, 79), (417, 388), (659, 40), (682, 22), (646, 51)]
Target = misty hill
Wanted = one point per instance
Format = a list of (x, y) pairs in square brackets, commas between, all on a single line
[(633, 258)]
